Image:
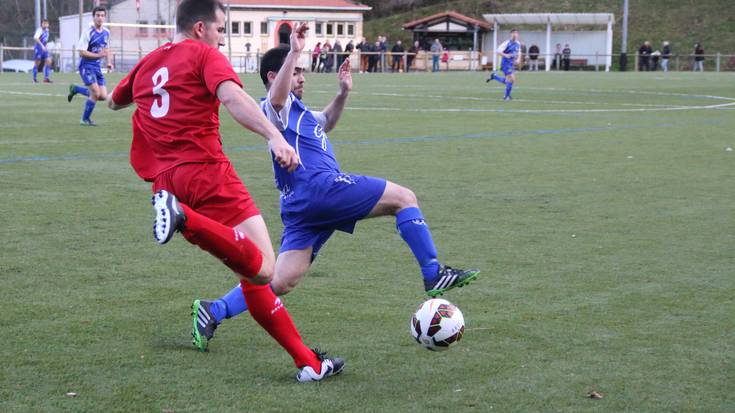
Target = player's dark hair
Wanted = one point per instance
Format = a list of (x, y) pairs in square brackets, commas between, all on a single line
[(192, 11), (272, 61), (99, 8), (513, 30), (44, 20)]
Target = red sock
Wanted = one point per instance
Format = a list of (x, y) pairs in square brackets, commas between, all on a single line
[(268, 311), (229, 245)]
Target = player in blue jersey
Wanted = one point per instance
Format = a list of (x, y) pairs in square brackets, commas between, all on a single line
[(318, 197), (93, 47), (510, 50), (40, 53)]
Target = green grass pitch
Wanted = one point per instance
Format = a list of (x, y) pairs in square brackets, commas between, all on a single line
[(599, 206)]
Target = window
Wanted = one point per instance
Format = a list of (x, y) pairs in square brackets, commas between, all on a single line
[(318, 28), (340, 29), (330, 29), (247, 28), (143, 31), (263, 27), (350, 29), (235, 28)]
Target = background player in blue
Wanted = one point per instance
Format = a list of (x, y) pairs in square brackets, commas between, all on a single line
[(511, 52), (40, 53), (92, 49), (318, 198)]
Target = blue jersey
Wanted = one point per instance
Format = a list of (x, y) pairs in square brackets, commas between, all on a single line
[(303, 129), (510, 47), (93, 41), (42, 36)]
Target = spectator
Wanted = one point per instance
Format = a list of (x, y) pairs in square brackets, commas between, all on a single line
[(338, 55), (654, 60), (329, 60), (445, 57), (665, 56), (383, 51), (436, 49), (363, 47), (533, 53), (566, 56), (698, 58), (397, 52), (374, 57), (315, 56), (557, 57), (326, 48), (412, 55), (349, 49), (644, 56)]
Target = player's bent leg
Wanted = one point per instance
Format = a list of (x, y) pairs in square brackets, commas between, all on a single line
[(231, 246), (256, 231), (394, 199), (291, 266)]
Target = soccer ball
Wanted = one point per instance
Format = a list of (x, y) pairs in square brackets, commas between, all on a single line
[(437, 324)]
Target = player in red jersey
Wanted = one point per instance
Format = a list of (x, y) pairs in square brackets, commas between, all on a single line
[(176, 145)]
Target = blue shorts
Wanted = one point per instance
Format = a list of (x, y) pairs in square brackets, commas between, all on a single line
[(507, 68), (91, 74), (39, 54), (335, 202)]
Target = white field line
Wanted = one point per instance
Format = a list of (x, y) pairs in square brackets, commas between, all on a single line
[(663, 109)]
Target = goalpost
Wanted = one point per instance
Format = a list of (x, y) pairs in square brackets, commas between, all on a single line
[(129, 42)]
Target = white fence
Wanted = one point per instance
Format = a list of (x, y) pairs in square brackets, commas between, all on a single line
[(66, 60)]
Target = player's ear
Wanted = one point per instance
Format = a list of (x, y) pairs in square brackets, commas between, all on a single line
[(271, 76), (198, 28)]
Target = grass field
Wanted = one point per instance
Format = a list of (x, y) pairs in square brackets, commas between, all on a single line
[(599, 207)]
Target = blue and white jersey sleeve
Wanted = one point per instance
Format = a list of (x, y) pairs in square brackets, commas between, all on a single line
[(279, 119), (84, 40), (321, 118), (38, 34), (501, 48)]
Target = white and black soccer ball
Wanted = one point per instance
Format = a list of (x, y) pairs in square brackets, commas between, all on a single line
[(437, 324)]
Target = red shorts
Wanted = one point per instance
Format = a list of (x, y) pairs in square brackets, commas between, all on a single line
[(211, 189)]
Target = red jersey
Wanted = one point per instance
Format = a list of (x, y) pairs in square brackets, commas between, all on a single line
[(177, 115)]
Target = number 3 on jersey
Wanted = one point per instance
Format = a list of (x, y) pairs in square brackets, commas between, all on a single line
[(159, 110)]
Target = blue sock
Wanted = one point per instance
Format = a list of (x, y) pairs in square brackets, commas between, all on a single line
[(46, 71), (35, 72), (88, 108), (508, 88), (500, 79), (229, 305), (81, 90), (414, 231)]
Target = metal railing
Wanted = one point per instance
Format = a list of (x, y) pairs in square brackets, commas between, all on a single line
[(66, 60)]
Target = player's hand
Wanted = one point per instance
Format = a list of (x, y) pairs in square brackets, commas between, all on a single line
[(345, 76), (104, 52), (284, 153), (298, 37)]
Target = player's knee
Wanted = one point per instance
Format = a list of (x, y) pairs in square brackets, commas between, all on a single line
[(265, 275), (407, 198)]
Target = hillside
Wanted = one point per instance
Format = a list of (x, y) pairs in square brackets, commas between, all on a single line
[(682, 22)]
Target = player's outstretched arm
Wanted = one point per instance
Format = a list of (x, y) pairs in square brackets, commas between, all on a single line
[(333, 111), (281, 87), (248, 114)]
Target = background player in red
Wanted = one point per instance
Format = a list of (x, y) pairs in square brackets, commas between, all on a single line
[(176, 145)]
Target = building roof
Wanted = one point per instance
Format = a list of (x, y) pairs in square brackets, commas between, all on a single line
[(553, 18), (334, 5), (445, 15)]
